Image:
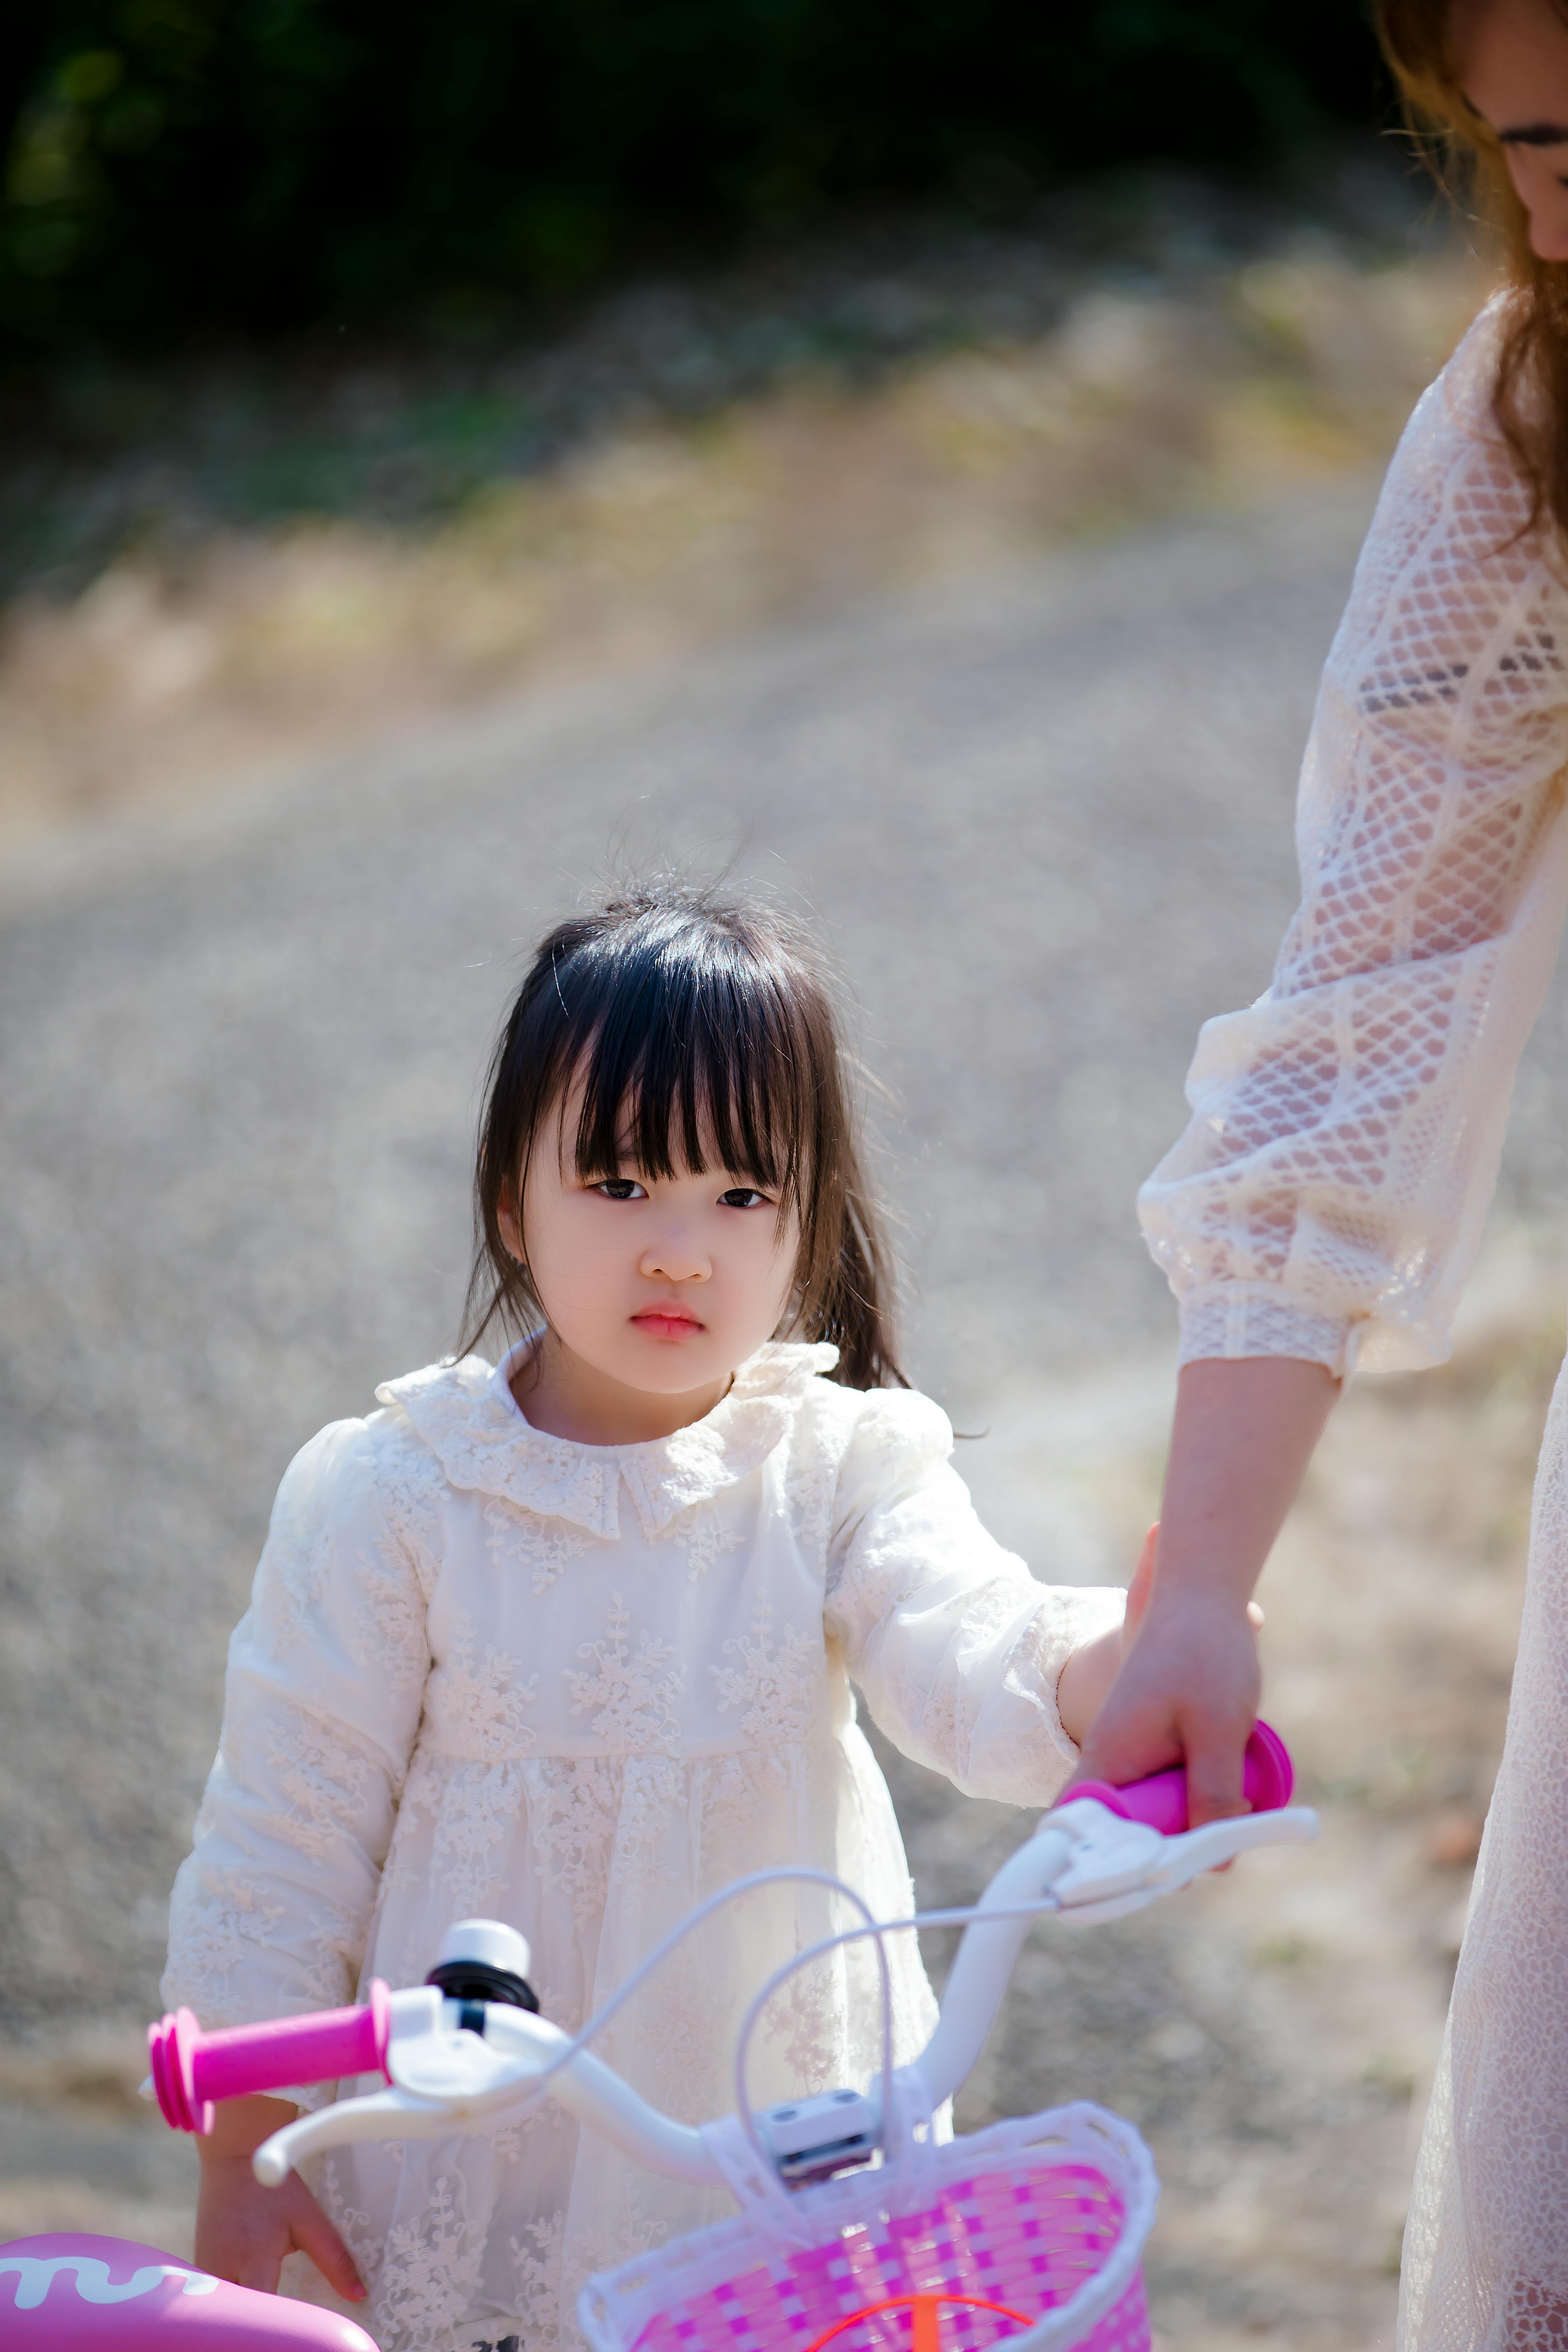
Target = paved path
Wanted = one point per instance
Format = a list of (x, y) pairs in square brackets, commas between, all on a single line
[(1045, 822)]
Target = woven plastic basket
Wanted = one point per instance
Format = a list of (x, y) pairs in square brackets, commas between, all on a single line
[(1031, 2231)]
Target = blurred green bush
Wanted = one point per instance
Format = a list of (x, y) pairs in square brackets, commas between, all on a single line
[(196, 165)]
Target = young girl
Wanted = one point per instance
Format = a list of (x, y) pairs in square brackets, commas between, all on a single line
[(569, 1642)]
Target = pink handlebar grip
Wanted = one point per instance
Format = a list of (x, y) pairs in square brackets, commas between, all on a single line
[(191, 2069), (1267, 1778)]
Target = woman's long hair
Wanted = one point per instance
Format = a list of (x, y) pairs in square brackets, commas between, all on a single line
[(1532, 386), (701, 1030)]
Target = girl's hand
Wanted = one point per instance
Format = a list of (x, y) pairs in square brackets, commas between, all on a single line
[(242, 2231), (1088, 1675)]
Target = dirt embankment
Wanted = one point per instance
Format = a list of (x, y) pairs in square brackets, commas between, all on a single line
[(244, 564)]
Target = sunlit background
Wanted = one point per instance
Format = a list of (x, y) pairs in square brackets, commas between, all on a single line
[(914, 455)]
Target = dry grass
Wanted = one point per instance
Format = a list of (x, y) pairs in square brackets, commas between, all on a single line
[(251, 647)]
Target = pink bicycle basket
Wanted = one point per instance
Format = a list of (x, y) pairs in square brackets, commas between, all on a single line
[(1032, 2231)]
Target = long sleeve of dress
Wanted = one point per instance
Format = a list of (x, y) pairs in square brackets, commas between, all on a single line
[(1327, 1198), (326, 1673), (955, 1645)]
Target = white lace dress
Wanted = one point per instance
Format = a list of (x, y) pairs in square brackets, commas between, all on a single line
[(486, 1671), (1327, 1199)]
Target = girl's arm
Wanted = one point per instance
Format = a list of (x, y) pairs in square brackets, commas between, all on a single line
[(269, 1914), (957, 1648), (1188, 1685)]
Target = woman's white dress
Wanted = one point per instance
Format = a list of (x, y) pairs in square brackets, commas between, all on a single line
[(486, 1671), (1327, 1199)]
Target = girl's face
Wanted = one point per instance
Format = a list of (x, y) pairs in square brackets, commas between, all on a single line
[(1513, 62), (655, 1289)]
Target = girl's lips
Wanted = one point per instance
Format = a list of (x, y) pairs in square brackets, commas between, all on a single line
[(667, 1322)]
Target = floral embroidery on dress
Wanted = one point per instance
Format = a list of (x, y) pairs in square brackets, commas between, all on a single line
[(572, 1808), (355, 2228), (707, 1535), (680, 2044), (630, 1697), (515, 1538), (536, 2271), (774, 1689), (802, 2021), (389, 1635), (429, 2271), (327, 1978), (405, 1867), (411, 1484), (295, 1584), (476, 1704), (221, 1930), (324, 1775), (738, 1798), (653, 1790), (477, 1805), (811, 1479)]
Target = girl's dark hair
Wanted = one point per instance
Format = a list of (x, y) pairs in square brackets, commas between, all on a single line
[(1529, 390), (699, 1026)]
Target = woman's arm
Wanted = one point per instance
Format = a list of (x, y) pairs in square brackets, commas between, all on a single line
[(1243, 1435), (1326, 1201)]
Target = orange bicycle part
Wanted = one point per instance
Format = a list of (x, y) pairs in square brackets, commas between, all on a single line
[(925, 2328)]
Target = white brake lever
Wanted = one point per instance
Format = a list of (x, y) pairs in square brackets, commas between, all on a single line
[(1186, 1857), (382, 2114), (444, 2079), (1119, 1866)]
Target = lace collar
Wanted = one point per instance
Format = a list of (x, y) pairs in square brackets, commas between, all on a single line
[(466, 1415)]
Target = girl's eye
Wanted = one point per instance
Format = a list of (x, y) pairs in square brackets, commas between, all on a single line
[(620, 1188), (742, 1196)]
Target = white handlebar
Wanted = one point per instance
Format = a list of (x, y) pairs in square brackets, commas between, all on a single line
[(1082, 1863), (446, 2080), (986, 1960)]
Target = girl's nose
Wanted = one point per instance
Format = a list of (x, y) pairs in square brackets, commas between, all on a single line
[(675, 1256)]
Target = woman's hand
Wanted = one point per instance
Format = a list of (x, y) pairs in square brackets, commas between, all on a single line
[(1187, 1690), (242, 2231), (1187, 1685)]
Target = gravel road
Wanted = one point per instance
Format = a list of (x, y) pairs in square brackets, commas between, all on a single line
[(1044, 820)]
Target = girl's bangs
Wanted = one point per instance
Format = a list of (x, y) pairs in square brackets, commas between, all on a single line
[(681, 1070)]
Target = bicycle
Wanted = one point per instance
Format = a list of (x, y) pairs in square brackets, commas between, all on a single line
[(859, 2227)]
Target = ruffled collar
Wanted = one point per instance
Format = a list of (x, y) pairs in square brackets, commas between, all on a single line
[(467, 1416)]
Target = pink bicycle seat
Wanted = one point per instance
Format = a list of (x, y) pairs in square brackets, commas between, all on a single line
[(75, 2294)]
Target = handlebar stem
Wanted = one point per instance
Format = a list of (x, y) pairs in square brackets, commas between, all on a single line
[(977, 1980)]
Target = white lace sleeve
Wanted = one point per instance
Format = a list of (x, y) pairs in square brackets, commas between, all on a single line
[(954, 1644), (326, 1675), (1326, 1199)]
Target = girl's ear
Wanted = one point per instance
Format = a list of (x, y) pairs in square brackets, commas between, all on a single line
[(511, 1229)]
